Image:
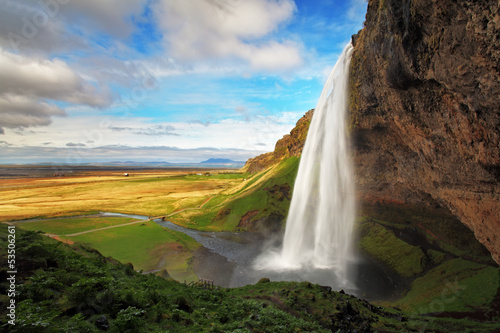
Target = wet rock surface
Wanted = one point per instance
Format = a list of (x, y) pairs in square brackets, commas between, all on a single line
[(425, 104)]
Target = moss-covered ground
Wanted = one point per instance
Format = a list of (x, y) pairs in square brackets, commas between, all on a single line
[(72, 288), (444, 269)]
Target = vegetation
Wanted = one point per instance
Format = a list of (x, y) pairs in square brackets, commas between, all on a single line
[(467, 287), (267, 193), (145, 244), (152, 194), (72, 288), (67, 226), (445, 269), (436, 262), (148, 246), (406, 260)]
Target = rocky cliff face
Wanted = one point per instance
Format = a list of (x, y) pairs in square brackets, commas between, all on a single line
[(288, 146), (425, 108)]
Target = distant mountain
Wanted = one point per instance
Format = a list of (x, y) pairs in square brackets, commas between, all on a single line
[(221, 161), (135, 163)]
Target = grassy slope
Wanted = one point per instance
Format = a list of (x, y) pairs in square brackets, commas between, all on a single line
[(446, 268), (383, 245), (146, 245), (73, 288), (267, 192)]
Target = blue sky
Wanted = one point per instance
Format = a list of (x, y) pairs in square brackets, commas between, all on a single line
[(162, 80)]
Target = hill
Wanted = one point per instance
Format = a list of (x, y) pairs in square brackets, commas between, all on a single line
[(66, 288), (220, 161)]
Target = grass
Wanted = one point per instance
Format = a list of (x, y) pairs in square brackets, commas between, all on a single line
[(72, 288), (147, 246), (443, 265), (455, 286), (406, 260), (224, 212), (155, 194), (66, 226)]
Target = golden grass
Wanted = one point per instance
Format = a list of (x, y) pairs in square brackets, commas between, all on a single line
[(153, 194)]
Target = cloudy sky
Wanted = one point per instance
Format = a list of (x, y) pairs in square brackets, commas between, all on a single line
[(162, 80)]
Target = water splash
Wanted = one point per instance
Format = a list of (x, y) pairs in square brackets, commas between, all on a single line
[(319, 227)]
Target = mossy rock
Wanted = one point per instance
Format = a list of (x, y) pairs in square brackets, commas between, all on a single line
[(382, 244)]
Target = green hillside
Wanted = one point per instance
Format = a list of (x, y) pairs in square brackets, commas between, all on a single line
[(63, 288), (261, 200)]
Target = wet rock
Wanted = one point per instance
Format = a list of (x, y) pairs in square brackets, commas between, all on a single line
[(427, 73)]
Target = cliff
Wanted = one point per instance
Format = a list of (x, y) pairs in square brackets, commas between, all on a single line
[(425, 104), (288, 146), (425, 118)]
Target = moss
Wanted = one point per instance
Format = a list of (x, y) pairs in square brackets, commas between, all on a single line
[(381, 243), (436, 257), (457, 285)]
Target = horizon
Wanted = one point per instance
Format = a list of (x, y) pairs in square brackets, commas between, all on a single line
[(88, 81), (130, 163)]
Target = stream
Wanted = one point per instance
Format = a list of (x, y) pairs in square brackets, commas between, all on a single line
[(227, 258)]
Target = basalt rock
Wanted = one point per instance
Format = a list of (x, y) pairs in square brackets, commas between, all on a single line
[(425, 108)]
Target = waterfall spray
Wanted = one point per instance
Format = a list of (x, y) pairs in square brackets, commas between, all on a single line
[(319, 227)]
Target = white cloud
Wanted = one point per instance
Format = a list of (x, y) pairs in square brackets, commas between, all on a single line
[(225, 29), (110, 16), (51, 79), (50, 26), (27, 83), (112, 153), (19, 111), (258, 133)]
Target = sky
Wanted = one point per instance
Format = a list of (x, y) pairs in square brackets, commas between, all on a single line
[(179, 81)]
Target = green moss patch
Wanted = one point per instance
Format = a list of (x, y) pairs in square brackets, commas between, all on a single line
[(381, 243), (74, 288), (455, 286)]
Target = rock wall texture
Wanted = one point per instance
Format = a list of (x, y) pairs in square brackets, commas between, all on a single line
[(288, 146), (425, 108)]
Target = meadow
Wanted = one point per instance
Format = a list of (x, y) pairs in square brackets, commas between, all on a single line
[(424, 251), (146, 245), (151, 193), (65, 208)]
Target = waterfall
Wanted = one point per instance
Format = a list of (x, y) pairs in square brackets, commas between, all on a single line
[(319, 227)]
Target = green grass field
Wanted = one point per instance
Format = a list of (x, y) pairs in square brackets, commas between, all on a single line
[(148, 246), (455, 286), (67, 226)]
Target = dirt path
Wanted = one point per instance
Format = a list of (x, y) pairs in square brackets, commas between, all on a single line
[(103, 228), (130, 223)]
